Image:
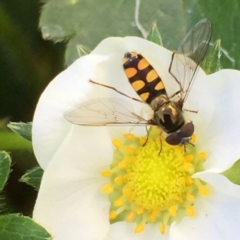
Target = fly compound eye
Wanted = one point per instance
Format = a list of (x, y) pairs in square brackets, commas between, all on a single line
[(174, 138), (187, 130)]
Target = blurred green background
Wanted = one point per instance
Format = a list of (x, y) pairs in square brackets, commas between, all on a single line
[(28, 62)]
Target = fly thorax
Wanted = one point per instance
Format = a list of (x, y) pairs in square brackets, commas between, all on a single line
[(169, 117), (159, 101)]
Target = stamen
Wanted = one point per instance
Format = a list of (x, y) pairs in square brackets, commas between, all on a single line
[(106, 173), (142, 140), (154, 214), (112, 215), (190, 197), (117, 143), (162, 228), (119, 202), (190, 211), (202, 155), (107, 189), (193, 138), (131, 216), (129, 136), (148, 187), (140, 210), (130, 150), (187, 166), (180, 199), (127, 192), (204, 191), (122, 165), (139, 228), (189, 158), (188, 180), (172, 211), (128, 159), (119, 180)]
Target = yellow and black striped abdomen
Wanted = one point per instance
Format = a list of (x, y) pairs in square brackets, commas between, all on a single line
[(142, 76)]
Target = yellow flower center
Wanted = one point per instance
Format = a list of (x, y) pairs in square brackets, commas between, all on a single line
[(152, 183), (156, 180)]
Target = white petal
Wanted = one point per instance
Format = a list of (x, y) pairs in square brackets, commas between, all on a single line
[(70, 204), (125, 231), (66, 91), (216, 98), (217, 217), (220, 182)]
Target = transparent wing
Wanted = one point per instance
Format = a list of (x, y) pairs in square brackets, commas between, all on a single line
[(191, 52), (104, 111)]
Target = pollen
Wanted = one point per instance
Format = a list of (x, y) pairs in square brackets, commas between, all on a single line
[(151, 183)]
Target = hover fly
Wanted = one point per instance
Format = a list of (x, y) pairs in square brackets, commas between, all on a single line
[(167, 113)]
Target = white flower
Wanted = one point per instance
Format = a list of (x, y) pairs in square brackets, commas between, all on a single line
[(70, 203)]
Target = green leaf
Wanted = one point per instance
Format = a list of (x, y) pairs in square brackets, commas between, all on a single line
[(75, 50), (5, 164), (87, 22), (212, 61), (80, 23), (11, 141), (83, 50), (16, 227), (3, 204), (154, 35), (33, 177), (22, 129), (233, 174)]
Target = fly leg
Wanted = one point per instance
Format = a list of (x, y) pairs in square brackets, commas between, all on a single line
[(160, 150), (147, 136), (184, 146), (114, 89), (193, 111), (176, 93)]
